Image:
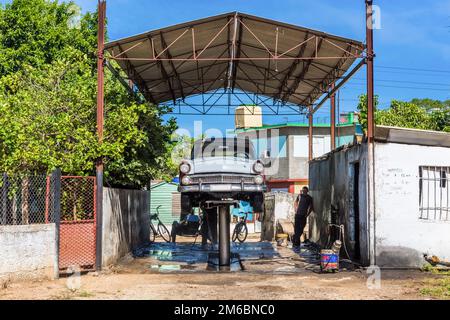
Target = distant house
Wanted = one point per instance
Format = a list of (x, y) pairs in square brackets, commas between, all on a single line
[(288, 147), (408, 213), (165, 195)]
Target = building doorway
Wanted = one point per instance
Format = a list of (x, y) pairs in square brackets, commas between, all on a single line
[(356, 220)]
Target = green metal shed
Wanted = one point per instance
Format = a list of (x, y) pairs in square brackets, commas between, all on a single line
[(165, 194)]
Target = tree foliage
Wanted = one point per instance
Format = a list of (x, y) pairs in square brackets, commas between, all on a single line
[(48, 101), (424, 114)]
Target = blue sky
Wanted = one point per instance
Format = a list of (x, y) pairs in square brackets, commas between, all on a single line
[(414, 34)]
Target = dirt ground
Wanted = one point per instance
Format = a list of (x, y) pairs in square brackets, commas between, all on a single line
[(280, 274)]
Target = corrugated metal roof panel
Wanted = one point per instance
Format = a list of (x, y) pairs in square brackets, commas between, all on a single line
[(232, 50)]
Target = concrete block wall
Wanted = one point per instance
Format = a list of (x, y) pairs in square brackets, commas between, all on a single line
[(402, 237), (126, 222), (331, 181), (28, 251), (277, 205)]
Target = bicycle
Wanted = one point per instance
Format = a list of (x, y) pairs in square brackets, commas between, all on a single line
[(159, 231), (240, 231)]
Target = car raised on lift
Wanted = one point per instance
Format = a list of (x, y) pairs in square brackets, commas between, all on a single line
[(222, 169)]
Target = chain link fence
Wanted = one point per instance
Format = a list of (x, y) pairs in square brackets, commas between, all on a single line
[(77, 198), (26, 199)]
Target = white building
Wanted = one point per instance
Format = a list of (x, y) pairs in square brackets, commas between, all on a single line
[(409, 214)]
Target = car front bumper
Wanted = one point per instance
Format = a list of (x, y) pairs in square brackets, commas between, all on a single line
[(222, 187)]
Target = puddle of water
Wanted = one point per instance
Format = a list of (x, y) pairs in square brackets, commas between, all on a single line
[(213, 263), (188, 253)]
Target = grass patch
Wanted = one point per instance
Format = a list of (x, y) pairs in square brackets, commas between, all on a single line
[(438, 288)]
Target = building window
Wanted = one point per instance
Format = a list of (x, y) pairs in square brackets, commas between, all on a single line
[(321, 145), (434, 198)]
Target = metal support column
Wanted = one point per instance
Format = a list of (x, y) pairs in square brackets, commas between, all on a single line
[(55, 182), (370, 77), (333, 119), (224, 236), (4, 201), (310, 133), (100, 110), (370, 133)]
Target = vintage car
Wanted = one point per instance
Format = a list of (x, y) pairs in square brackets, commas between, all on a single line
[(222, 169)]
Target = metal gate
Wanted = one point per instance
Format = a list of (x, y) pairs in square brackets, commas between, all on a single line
[(77, 231)]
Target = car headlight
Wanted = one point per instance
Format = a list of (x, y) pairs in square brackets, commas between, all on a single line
[(259, 180), (258, 167), (186, 180), (185, 168)]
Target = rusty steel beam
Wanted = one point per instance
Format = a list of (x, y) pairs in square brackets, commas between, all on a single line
[(303, 73), (100, 123), (163, 70), (370, 73), (238, 44), (310, 133), (164, 46), (293, 67), (340, 84), (333, 119), (136, 78), (325, 81), (238, 59)]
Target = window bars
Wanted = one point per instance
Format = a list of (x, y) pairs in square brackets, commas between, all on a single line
[(434, 189)]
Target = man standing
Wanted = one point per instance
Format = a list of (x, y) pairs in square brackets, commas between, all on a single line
[(303, 206)]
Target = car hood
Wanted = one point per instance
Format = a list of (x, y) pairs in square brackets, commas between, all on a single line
[(222, 165)]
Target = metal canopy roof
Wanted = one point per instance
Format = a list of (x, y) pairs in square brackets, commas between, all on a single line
[(232, 51)]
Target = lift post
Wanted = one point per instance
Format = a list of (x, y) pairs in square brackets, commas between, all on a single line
[(224, 236), (224, 230)]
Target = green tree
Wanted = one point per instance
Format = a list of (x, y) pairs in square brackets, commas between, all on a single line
[(404, 114), (362, 109), (48, 101), (424, 114)]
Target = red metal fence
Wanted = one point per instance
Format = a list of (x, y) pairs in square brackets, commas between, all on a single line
[(77, 233)]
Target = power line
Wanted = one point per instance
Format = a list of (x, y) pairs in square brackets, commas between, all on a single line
[(400, 87), (411, 82), (413, 69)]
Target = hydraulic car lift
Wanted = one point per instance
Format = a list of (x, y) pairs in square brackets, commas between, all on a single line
[(224, 230)]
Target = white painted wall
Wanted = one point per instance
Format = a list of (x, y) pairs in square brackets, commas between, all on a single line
[(28, 251), (321, 145), (401, 236)]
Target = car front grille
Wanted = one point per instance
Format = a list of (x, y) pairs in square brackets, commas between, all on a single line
[(222, 178)]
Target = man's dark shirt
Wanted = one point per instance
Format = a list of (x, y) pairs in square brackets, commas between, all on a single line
[(304, 202)]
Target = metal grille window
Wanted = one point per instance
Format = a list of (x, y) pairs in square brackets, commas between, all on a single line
[(434, 193)]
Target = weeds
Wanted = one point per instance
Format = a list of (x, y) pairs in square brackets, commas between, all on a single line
[(438, 288)]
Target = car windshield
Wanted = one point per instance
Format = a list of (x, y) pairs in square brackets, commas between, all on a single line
[(231, 147)]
